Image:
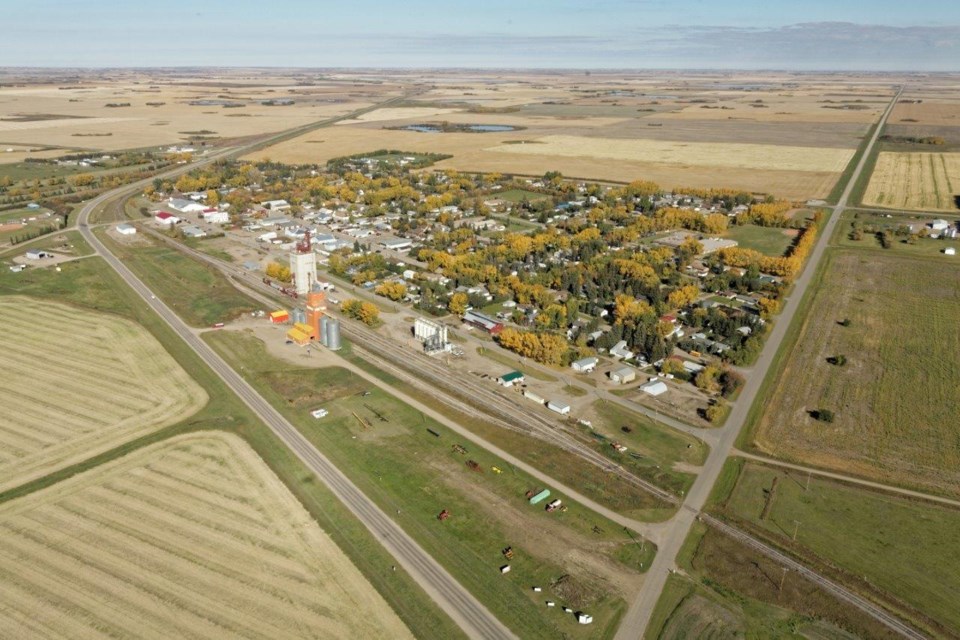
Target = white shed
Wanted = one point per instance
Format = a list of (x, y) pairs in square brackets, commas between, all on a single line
[(654, 387), (584, 365), (560, 407), (126, 229), (623, 375)]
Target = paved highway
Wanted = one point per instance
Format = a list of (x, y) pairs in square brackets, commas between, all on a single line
[(475, 619), (638, 616)]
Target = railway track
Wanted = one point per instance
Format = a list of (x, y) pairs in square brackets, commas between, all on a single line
[(461, 394)]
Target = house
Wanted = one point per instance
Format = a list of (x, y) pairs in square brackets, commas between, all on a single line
[(275, 205), (510, 379), (692, 367), (559, 407), (185, 206), (165, 218), (654, 387), (939, 225), (482, 321), (620, 350), (126, 229), (584, 365), (623, 375)]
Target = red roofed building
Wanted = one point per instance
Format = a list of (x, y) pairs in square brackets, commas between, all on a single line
[(165, 218)]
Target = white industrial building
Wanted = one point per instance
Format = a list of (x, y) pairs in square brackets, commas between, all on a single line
[(126, 229), (432, 334), (654, 387), (623, 375), (303, 266), (215, 216), (584, 365), (275, 205), (185, 206)]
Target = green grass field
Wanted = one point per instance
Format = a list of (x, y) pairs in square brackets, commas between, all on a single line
[(769, 241), (91, 283), (385, 447), (518, 195), (198, 293), (606, 489), (727, 590), (921, 247), (659, 447), (893, 420), (897, 544)]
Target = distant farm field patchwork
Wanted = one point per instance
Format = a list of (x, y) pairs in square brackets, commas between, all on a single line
[(74, 383), (193, 537), (895, 398), (915, 181), (713, 154)]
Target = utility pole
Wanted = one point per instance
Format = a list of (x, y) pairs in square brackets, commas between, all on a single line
[(782, 578), (808, 481), (796, 527)]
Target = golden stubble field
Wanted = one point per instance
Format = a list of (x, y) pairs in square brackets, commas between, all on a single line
[(581, 157), (895, 398), (76, 116), (915, 180), (193, 537), (75, 383)]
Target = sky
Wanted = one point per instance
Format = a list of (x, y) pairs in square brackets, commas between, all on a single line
[(867, 35)]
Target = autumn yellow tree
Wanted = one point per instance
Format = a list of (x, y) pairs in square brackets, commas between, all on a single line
[(393, 290), (279, 272), (365, 312), (683, 296), (458, 303)]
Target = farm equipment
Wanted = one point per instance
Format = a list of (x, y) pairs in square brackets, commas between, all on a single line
[(363, 422), (539, 497), (496, 470), (443, 515), (459, 449), (375, 412), (475, 466), (553, 506), (508, 553), (619, 447)]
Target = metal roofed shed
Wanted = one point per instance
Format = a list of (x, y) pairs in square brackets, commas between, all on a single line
[(654, 387), (558, 406), (510, 379), (584, 365), (623, 375)]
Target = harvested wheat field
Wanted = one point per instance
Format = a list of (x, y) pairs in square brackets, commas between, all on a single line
[(74, 383), (915, 181), (929, 113), (894, 398), (193, 537)]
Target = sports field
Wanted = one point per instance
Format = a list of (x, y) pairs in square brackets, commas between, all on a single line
[(74, 383), (193, 537), (895, 398), (915, 181)]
